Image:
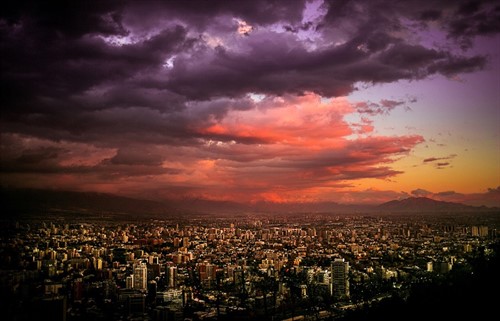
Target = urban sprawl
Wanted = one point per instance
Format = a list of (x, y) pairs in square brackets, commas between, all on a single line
[(296, 267)]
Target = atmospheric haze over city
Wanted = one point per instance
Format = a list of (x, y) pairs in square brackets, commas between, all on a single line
[(241, 160)]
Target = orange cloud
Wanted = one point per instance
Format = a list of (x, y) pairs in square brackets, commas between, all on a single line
[(280, 149)]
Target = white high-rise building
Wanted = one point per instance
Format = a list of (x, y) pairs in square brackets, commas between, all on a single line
[(340, 270), (140, 276)]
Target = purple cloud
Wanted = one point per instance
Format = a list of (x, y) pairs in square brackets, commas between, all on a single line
[(385, 106), (155, 88)]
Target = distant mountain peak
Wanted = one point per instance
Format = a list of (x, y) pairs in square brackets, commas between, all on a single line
[(425, 204)]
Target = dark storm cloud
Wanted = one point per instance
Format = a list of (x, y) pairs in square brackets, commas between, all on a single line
[(46, 73), (199, 13), (70, 18), (105, 170), (139, 85), (110, 170), (461, 19), (137, 155), (284, 65), (39, 155), (117, 126), (26, 155), (51, 52), (430, 15), (474, 18), (457, 65), (35, 160)]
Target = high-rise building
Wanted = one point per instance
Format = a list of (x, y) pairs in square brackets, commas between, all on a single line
[(340, 270), (171, 275), (140, 276), (129, 282)]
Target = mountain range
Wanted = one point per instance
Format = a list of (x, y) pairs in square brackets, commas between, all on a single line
[(34, 200)]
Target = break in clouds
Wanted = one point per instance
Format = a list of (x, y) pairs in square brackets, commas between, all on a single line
[(240, 100)]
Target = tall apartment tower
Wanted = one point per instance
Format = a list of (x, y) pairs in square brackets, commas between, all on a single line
[(129, 282), (171, 274), (140, 276), (340, 270)]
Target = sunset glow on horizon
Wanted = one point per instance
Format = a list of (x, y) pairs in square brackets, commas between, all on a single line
[(354, 102)]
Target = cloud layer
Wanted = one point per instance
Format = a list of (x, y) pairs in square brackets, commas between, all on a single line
[(221, 100)]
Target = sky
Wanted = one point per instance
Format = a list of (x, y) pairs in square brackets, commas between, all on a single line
[(355, 102)]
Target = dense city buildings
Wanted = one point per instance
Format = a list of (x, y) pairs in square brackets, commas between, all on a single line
[(310, 266)]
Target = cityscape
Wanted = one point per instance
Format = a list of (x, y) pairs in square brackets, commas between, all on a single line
[(266, 160), (242, 267)]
